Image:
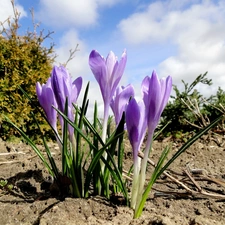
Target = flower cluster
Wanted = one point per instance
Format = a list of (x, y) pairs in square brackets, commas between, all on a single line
[(92, 161), (58, 88), (141, 118)]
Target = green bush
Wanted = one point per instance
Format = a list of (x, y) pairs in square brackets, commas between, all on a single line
[(214, 107), (23, 61), (181, 117), (189, 111)]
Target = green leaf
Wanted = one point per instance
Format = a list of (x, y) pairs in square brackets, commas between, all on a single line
[(154, 177), (33, 146)]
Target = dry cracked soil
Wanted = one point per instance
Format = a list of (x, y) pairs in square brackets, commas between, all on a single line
[(201, 169)]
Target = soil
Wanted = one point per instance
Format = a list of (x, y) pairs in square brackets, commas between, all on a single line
[(201, 168)]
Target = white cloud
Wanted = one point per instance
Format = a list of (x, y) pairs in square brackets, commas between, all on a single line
[(69, 13), (6, 10), (79, 64), (165, 19), (196, 30)]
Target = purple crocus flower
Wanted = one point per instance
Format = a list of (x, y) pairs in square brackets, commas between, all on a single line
[(120, 101), (156, 94), (136, 126), (47, 100), (63, 88), (108, 73)]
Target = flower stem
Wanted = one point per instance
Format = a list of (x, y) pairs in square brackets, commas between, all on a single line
[(105, 122), (104, 132), (135, 187), (74, 147), (143, 168)]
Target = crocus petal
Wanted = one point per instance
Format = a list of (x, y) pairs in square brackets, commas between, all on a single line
[(118, 72), (166, 86), (47, 100), (132, 120), (76, 88), (97, 65), (49, 109), (144, 88), (120, 101), (154, 97), (111, 61), (58, 86), (38, 90)]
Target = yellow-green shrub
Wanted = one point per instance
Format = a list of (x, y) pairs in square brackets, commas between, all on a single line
[(23, 61)]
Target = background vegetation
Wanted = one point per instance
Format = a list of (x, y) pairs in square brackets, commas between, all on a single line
[(188, 111), (23, 61)]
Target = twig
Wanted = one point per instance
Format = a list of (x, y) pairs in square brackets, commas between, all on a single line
[(189, 174), (127, 177), (193, 180), (9, 162), (11, 153), (72, 55)]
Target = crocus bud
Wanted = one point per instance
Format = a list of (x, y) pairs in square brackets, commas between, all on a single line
[(108, 73), (156, 94), (63, 88), (136, 127), (47, 99)]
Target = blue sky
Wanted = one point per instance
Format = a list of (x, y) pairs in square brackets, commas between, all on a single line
[(178, 38)]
